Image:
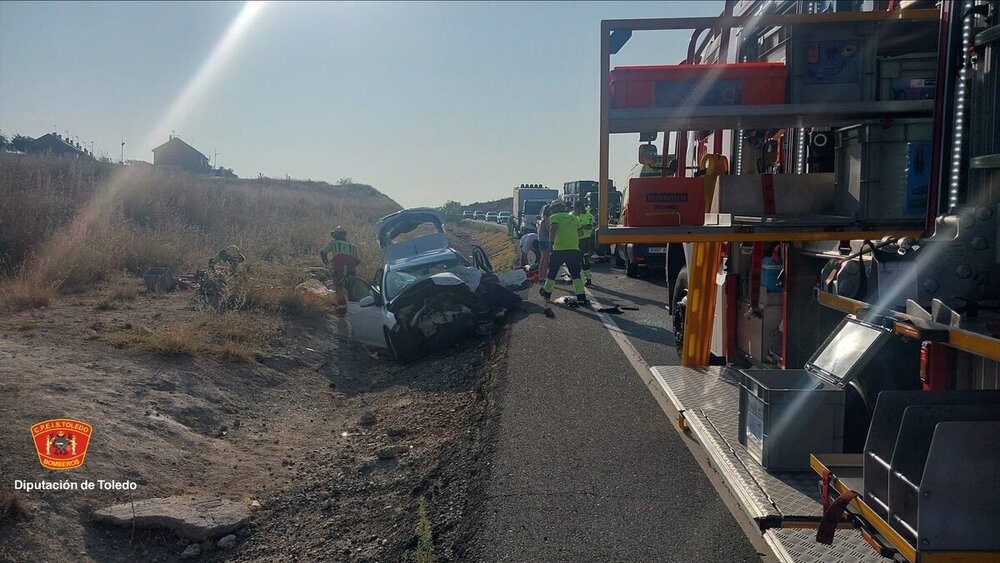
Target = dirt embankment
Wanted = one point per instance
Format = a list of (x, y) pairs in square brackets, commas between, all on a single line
[(291, 431)]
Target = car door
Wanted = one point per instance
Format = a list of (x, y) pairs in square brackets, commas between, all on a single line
[(366, 322)]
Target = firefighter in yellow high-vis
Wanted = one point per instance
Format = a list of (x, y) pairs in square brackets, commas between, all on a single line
[(343, 263), (564, 232)]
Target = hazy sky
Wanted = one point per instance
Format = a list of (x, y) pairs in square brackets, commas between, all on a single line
[(425, 101)]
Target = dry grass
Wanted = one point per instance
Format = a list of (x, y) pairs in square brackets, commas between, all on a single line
[(21, 293), (68, 225), (231, 336), (12, 504), (498, 247)]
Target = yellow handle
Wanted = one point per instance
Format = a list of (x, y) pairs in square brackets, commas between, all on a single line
[(714, 165)]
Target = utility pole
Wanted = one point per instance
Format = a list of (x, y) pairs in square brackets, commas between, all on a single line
[(215, 160), (122, 161)]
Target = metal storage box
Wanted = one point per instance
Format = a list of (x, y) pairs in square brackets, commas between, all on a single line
[(883, 173), (785, 415), (832, 63), (773, 405), (907, 77)]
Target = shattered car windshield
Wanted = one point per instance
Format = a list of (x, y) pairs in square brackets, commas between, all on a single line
[(400, 278)]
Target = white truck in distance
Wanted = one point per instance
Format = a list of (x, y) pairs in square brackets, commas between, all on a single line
[(528, 201)]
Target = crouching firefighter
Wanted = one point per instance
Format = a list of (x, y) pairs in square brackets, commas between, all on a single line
[(341, 257), (564, 232)]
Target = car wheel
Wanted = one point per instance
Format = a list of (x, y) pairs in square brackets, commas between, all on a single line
[(679, 308), (397, 352)]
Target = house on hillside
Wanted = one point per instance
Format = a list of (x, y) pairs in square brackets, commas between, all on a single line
[(56, 144), (175, 154)]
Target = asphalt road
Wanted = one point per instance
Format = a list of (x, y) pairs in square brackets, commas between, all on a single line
[(587, 466)]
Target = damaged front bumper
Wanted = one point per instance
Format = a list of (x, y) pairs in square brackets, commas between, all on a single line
[(442, 309)]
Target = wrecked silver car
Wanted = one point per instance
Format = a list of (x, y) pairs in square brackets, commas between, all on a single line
[(426, 295)]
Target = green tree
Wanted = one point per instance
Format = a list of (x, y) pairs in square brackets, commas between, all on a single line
[(21, 142), (345, 181), (451, 212)]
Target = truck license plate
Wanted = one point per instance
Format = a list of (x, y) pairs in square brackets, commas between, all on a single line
[(657, 250)]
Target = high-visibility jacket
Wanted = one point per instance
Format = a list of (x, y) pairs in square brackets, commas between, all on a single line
[(586, 220), (345, 255), (567, 236)]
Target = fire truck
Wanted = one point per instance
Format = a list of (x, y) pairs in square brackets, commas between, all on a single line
[(828, 191)]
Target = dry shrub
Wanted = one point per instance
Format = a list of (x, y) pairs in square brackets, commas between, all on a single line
[(172, 341), (73, 223), (13, 504), (235, 352), (108, 304), (124, 290), (22, 293), (230, 336)]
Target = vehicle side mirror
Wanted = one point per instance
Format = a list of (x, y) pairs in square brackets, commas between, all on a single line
[(367, 301), (647, 154)]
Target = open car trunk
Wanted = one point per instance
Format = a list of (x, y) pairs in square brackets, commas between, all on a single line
[(391, 227)]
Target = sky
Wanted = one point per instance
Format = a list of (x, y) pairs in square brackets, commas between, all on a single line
[(428, 102)]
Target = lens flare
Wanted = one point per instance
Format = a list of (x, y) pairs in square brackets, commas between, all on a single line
[(99, 211), (210, 70)]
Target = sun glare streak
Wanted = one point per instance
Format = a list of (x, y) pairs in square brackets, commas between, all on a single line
[(99, 211), (210, 70)]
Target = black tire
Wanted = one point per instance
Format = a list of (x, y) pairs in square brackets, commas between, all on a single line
[(678, 307), (397, 352), (619, 261), (631, 268)]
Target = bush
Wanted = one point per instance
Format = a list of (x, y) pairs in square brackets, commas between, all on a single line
[(23, 293), (451, 212)]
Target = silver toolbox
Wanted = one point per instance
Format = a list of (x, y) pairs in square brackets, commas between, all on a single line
[(883, 172)]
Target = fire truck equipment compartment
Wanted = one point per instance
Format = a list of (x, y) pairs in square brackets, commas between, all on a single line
[(665, 202), (698, 85)]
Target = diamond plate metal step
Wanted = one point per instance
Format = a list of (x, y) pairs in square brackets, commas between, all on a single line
[(709, 400), (799, 546)]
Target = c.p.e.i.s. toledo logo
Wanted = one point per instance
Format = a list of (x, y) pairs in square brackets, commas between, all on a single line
[(61, 443)]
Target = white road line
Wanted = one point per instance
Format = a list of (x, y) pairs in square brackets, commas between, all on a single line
[(658, 388), (633, 356)]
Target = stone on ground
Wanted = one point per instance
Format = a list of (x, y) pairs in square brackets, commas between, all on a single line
[(195, 518)]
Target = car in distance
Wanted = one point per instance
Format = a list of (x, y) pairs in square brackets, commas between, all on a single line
[(491, 216), (467, 214), (479, 215), (503, 217)]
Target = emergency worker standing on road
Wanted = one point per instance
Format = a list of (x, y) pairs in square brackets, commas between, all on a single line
[(564, 232), (342, 264), (586, 220), (544, 244)]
